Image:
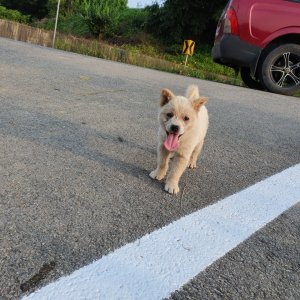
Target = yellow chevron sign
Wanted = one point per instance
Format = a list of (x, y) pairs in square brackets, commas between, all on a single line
[(188, 47)]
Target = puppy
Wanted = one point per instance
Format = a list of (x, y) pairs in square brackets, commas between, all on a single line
[(183, 125)]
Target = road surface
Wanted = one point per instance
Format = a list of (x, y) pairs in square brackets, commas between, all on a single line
[(77, 142)]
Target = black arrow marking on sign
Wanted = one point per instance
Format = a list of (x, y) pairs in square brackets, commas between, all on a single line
[(186, 44), (187, 47), (191, 47)]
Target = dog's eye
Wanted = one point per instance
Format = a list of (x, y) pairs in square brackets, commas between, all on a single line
[(186, 118), (170, 115)]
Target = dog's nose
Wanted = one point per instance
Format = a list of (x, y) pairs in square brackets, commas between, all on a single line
[(174, 128)]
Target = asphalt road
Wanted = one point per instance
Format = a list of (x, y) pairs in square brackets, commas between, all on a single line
[(77, 142)]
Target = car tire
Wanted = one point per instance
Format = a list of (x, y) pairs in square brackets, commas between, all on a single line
[(279, 69), (249, 80)]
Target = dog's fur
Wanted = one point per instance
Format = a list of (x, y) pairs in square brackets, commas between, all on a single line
[(189, 117)]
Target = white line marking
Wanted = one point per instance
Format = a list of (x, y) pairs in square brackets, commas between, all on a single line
[(163, 261)]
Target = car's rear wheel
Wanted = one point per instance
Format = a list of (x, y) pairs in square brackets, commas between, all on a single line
[(279, 71), (250, 81)]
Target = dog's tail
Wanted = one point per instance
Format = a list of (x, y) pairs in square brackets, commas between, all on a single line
[(192, 92)]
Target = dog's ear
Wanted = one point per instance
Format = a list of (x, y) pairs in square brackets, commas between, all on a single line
[(192, 92), (166, 96), (199, 102)]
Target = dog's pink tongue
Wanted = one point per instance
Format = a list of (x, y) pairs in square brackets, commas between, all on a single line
[(172, 142)]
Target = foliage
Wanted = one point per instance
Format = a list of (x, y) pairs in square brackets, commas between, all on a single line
[(67, 8), (14, 15), (101, 16), (131, 21), (74, 24), (177, 20), (35, 8), (202, 62), (70, 24), (172, 22), (52, 8)]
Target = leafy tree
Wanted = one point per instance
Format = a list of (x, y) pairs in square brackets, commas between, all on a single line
[(131, 22), (177, 20), (14, 15), (101, 15), (35, 8)]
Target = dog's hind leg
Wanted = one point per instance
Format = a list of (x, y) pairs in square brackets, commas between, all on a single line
[(163, 158), (195, 154)]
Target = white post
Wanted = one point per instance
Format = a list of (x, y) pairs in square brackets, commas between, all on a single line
[(186, 58), (54, 34)]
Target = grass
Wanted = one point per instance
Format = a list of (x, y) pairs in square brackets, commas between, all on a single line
[(102, 50), (200, 65)]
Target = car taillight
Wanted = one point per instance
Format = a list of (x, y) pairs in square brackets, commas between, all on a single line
[(231, 25)]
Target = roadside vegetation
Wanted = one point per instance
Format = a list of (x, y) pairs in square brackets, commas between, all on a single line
[(14, 15), (152, 36)]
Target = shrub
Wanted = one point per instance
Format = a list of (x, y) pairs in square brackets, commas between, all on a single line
[(101, 16), (71, 24), (35, 8), (13, 15), (177, 20), (75, 25), (131, 21)]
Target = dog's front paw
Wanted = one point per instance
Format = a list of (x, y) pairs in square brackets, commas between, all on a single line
[(193, 165), (157, 175), (172, 188)]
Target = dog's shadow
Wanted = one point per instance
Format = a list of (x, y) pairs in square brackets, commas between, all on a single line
[(63, 135)]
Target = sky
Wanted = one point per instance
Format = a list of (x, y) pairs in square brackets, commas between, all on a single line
[(141, 3)]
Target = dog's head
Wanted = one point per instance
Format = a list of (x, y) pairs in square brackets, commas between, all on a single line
[(178, 114)]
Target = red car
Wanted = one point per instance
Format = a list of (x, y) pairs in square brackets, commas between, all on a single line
[(261, 39)]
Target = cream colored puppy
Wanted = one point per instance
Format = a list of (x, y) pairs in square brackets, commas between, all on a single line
[(183, 125)]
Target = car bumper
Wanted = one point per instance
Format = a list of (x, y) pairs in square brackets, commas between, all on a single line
[(233, 52)]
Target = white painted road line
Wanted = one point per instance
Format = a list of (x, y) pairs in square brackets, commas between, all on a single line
[(163, 261)]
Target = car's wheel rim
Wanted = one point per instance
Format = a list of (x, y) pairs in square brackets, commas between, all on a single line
[(285, 70)]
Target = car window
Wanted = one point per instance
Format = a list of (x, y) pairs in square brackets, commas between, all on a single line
[(297, 1)]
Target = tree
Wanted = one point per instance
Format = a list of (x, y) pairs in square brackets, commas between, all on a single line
[(177, 20), (101, 15), (67, 7), (35, 8), (14, 15)]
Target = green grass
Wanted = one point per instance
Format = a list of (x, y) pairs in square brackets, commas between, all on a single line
[(102, 50), (200, 65)]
